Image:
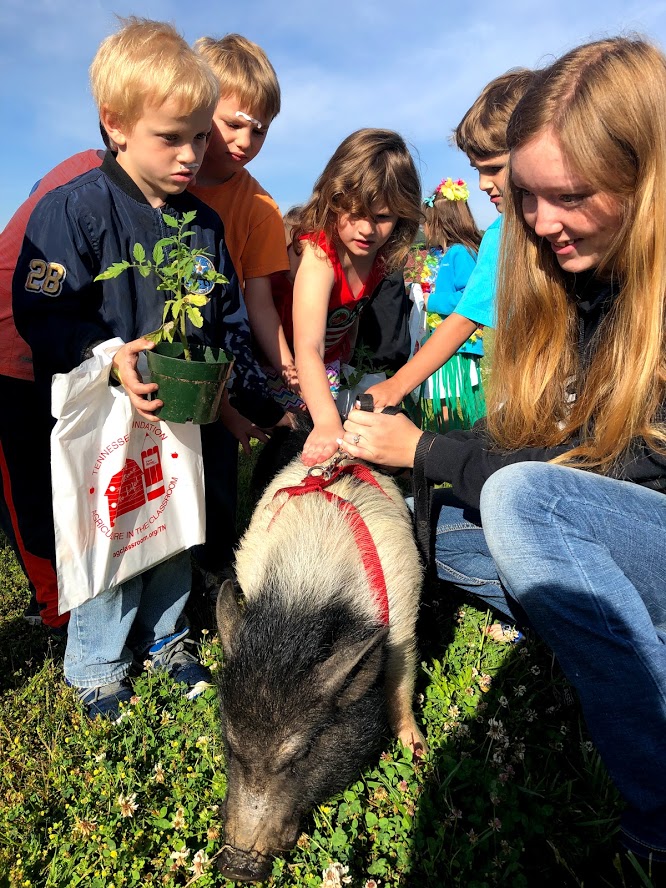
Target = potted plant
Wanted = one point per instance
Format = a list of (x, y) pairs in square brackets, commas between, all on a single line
[(191, 378)]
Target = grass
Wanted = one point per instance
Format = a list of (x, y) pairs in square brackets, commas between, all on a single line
[(512, 791)]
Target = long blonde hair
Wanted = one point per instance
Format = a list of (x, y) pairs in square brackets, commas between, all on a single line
[(605, 102), (370, 167)]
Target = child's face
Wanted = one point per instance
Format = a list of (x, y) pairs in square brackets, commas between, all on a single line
[(578, 222), (492, 176), (364, 236), (164, 149), (236, 139)]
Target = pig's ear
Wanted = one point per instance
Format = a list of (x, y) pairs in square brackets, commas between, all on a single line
[(352, 669), (228, 615)]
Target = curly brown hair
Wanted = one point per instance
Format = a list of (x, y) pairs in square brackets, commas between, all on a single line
[(370, 167)]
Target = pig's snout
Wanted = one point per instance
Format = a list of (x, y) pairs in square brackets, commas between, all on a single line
[(243, 866)]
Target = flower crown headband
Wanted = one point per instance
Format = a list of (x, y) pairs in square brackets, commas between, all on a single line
[(450, 190)]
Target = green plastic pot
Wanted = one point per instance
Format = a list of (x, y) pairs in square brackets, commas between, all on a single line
[(191, 390)]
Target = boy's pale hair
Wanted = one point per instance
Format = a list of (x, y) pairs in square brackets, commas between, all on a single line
[(604, 103), (244, 72), (482, 131), (146, 63)]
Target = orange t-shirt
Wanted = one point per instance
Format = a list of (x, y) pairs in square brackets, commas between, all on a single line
[(253, 228), (15, 354)]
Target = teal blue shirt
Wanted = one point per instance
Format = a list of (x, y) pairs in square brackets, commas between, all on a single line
[(477, 302)]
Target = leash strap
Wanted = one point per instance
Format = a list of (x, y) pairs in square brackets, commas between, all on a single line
[(421, 487), (422, 492), (364, 542)]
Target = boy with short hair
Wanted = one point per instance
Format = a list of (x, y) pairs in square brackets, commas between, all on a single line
[(155, 98), (481, 134), (249, 102)]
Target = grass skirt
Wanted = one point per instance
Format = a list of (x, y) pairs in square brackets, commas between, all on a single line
[(454, 391)]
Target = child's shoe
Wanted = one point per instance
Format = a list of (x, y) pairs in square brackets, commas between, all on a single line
[(105, 701), (505, 633), (171, 654)]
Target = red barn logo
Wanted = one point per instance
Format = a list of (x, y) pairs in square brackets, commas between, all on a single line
[(134, 485)]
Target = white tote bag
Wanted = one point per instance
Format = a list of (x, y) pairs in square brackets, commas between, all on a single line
[(127, 493)]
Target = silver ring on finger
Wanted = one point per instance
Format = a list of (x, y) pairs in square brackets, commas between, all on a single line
[(356, 439)]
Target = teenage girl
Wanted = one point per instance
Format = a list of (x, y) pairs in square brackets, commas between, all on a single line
[(356, 228), (453, 396), (572, 537)]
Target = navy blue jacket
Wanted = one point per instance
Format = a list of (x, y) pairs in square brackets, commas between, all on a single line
[(77, 231)]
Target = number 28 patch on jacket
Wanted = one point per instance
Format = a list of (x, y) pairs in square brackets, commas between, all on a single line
[(45, 277)]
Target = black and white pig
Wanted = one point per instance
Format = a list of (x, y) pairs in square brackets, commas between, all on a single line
[(312, 678)]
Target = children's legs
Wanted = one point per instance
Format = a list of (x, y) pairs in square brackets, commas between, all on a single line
[(25, 489), (166, 588), (584, 556), (104, 631), (97, 652)]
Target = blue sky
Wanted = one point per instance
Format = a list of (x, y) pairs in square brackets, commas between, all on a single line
[(413, 67)]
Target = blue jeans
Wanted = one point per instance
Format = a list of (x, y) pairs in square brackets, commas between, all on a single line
[(583, 557), (106, 632)]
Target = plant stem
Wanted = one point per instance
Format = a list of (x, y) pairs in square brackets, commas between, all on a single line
[(183, 338)]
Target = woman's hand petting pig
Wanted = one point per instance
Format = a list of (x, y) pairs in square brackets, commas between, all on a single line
[(382, 438)]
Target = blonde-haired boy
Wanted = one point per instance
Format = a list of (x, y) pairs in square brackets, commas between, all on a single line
[(156, 99), (249, 102)]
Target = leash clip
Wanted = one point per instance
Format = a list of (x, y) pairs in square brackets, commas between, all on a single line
[(326, 471)]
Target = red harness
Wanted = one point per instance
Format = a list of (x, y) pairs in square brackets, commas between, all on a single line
[(364, 542)]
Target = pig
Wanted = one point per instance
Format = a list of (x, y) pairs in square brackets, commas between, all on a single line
[(312, 678)]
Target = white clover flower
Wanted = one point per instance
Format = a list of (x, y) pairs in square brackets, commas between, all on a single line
[(127, 805), (335, 875), (178, 821), (520, 690), (199, 863), (179, 857)]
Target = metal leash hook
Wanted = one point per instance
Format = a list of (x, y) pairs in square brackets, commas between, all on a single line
[(326, 471)]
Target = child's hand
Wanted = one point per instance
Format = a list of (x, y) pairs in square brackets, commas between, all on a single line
[(124, 369), (321, 444), (386, 394), (240, 427)]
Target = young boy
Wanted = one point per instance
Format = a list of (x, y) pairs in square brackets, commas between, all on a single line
[(156, 99), (249, 102), (481, 134)]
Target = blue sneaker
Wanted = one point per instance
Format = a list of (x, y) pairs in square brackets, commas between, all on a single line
[(183, 667), (104, 701)]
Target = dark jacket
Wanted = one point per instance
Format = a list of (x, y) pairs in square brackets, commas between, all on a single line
[(77, 231), (467, 458)]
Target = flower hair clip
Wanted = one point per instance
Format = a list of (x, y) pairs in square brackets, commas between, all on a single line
[(449, 190)]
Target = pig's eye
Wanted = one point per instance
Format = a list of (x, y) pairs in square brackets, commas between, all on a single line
[(297, 759)]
